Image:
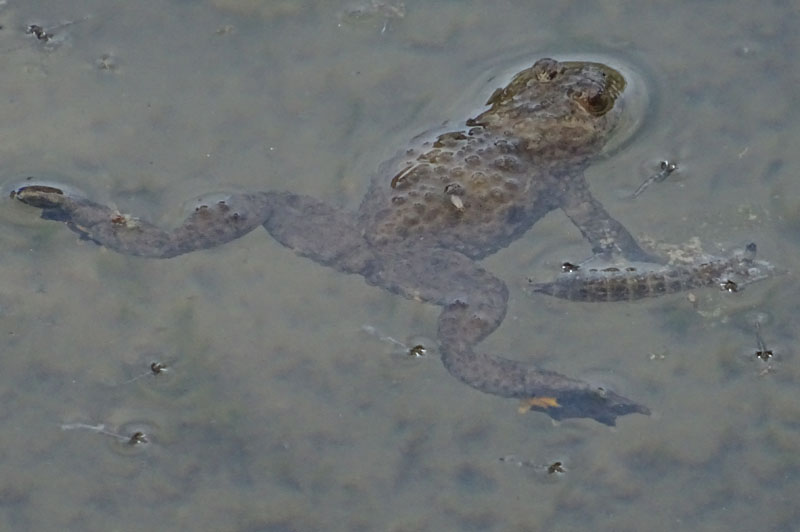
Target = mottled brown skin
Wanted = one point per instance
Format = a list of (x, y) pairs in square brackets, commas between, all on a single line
[(630, 284), (429, 215)]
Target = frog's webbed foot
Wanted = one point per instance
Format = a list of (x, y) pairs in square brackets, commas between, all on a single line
[(605, 234), (597, 403), (474, 304)]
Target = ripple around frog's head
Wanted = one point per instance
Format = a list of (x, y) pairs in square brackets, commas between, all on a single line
[(564, 110)]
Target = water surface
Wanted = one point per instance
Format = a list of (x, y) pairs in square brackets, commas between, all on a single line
[(278, 411)]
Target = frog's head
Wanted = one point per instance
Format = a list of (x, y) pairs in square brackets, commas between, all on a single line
[(560, 109)]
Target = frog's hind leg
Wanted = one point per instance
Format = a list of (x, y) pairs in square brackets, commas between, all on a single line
[(605, 234), (323, 233), (474, 304)]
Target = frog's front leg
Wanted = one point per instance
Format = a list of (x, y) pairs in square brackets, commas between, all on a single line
[(605, 234), (474, 304), (214, 222)]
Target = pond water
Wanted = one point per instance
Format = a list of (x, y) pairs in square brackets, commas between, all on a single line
[(284, 405)]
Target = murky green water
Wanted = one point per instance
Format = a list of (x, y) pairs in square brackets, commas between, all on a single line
[(278, 411)]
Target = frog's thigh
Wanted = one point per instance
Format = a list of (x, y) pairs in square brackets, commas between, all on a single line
[(474, 300), (316, 230)]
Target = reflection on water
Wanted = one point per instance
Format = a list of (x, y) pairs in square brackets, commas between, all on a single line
[(277, 412)]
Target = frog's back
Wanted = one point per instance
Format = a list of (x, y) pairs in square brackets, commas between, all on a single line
[(468, 190)]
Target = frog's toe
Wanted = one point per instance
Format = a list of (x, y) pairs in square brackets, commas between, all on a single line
[(42, 195)]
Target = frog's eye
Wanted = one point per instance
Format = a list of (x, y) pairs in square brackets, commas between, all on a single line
[(596, 103)]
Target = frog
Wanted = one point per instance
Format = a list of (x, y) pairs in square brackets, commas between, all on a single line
[(428, 218)]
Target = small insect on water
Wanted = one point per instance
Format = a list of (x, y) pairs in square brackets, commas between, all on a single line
[(567, 267), (665, 168), (550, 469), (39, 32), (137, 438), (413, 349), (729, 286), (765, 357), (50, 37), (417, 351), (156, 368), (762, 352)]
